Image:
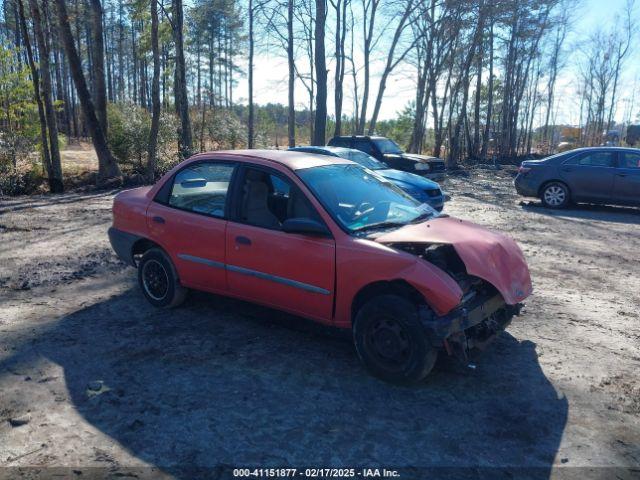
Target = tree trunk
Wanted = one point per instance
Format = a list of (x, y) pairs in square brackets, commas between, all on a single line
[(182, 103), (487, 127), (250, 126), (107, 167), (155, 95), (35, 77), (340, 37), (100, 90), (291, 117), (476, 114), (368, 38), (320, 124), (55, 181)]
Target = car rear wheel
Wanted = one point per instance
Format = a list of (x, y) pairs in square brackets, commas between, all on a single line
[(555, 195), (391, 342), (158, 280)]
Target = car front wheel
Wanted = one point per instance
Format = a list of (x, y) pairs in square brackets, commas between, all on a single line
[(391, 342), (158, 280), (555, 195)]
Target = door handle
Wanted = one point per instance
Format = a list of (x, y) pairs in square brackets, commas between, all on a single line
[(243, 240), (158, 219), (621, 174)]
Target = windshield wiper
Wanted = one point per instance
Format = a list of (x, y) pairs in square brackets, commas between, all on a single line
[(421, 217), (374, 226)]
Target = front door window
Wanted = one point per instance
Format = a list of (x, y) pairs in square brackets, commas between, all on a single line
[(269, 199)]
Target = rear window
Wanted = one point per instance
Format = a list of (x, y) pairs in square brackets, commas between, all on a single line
[(340, 142), (202, 188)]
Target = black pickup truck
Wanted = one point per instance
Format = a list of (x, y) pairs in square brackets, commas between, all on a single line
[(389, 152)]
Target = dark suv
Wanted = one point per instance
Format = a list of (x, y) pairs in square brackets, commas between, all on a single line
[(389, 152), (591, 175)]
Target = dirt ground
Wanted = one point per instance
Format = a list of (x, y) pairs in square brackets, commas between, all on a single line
[(94, 381)]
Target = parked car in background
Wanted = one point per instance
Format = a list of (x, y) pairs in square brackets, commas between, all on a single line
[(604, 175), (389, 152), (326, 239), (420, 188)]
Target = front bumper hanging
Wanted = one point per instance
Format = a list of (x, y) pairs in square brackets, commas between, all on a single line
[(467, 316)]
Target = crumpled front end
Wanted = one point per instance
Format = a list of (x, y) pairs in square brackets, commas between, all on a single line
[(466, 251), (489, 268)]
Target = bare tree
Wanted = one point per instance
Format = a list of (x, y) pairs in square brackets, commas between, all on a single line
[(369, 10), (320, 126), (393, 61), (185, 140), (35, 77), (107, 166), (621, 51), (100, 89), (155, 95), (340, 8), (55, 181), (291, 117)]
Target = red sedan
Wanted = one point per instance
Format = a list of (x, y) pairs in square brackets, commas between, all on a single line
[(326, 239)]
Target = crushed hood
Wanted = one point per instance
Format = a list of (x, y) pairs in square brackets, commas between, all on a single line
[(408, 178), (491, 256), (415, 157)]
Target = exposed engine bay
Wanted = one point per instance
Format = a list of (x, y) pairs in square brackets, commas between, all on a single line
[(445, 257), (482, 312)]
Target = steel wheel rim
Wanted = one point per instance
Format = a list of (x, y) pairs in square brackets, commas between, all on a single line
[(155, 279), (389, 343), (555, 195)]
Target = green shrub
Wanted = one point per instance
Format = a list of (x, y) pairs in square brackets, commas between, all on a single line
[(128, 136), (19, 128), (21, 181), (222, 130)]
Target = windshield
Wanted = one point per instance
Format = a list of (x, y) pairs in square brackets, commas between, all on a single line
[(361, 158), (361, 200), (387, 146)]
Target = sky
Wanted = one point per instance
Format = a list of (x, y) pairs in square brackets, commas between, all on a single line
[(271, 74)]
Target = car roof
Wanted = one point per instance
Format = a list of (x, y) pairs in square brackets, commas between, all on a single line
[(294, 160), (323, 150), (367, 137), (602, 147)]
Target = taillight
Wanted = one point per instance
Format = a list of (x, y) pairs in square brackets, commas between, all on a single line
[(524, 169)]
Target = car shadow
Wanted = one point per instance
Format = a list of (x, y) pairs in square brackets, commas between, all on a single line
[(219, 384), (38, 201), (583, 211)]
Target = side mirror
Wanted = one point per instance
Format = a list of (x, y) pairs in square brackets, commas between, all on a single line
[(305, 226)]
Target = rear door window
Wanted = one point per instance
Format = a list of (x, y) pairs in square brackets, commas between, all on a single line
[(630, 160), (202, 188), (593, 159)]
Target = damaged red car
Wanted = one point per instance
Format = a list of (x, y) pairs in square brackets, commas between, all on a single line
[(326, 239)]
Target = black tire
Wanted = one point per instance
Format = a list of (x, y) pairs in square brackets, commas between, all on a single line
[(555, 195), (159, 281), (391, 342)]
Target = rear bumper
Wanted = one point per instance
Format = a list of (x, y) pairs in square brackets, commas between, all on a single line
[(468, 316), (526, 187), (122, 244)]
